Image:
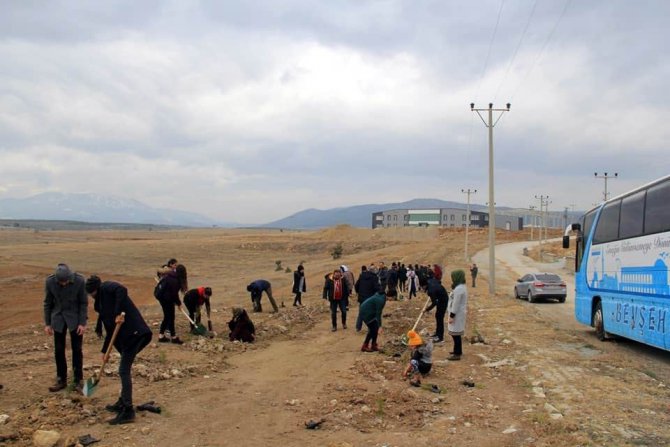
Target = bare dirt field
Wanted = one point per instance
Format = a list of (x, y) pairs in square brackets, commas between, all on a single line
[(538, 381)]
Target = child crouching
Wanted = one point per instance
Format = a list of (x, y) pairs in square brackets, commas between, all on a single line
[(422, 358)]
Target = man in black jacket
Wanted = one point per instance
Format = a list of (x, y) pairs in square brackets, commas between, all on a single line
[(115, 306), (439, 298), (366, 285), (170, 285), (66, 310)]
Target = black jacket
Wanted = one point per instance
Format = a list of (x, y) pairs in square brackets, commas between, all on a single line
[(296, 282), (329, 288), (437, 293), (367, 285), (172, 288), (112, 299)]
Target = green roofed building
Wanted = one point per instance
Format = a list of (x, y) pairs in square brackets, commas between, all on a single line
[(442, 217)]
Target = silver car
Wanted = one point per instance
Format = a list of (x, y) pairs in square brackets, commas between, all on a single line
[(540, 285)]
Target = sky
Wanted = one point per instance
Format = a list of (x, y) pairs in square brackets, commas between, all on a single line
[(251, 111)]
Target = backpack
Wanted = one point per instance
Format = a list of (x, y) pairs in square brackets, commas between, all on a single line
[(160, 288)]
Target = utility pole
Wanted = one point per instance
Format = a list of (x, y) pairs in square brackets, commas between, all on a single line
[(532, 220), (605, 176), (565, 217), (492, 217), (544, 202), (467, 219)]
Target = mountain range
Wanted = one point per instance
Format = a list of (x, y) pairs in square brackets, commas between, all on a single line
[(94, 208)]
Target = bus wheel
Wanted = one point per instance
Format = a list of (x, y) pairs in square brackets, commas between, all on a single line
[(531, 298), (599, 323)]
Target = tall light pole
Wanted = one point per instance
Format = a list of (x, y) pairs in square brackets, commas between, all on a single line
[(467, 219), (605, 176), (492, 217)]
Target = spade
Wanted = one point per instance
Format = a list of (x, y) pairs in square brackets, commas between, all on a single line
[(92, 383)]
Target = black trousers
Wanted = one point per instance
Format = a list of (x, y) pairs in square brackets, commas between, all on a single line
[(77, 356), (373, 332), (192, 307), (439, 320), (298, 299), (458, 344), (168, 318), (342, 304), (125, 366)]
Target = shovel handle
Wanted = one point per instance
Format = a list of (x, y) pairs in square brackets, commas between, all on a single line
[(416, 323), (109, 348), (186, 315)]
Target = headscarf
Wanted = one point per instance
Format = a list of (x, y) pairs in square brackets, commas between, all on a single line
[(237, 312), (457, 278)]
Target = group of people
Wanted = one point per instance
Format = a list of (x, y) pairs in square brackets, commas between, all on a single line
[(66, 311)]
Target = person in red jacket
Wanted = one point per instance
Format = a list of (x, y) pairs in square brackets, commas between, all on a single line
[(193, 300)]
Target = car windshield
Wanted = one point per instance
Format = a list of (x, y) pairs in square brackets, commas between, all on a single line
[(548, 277)]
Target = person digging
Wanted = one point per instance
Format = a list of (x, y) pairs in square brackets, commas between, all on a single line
[(370, 313), (421, 361), (114, 306)]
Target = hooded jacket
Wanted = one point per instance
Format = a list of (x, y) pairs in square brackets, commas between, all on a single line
[(367, 285)]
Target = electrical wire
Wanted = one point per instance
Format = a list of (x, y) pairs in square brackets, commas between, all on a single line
[(516, 50), (488, 54), (544, 46)]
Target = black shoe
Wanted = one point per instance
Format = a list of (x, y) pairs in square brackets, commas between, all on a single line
[(177, 341), (454, 357), (344, 326), (116, 407), (59, 385), (334, 329), (163, 339), (125, 416)]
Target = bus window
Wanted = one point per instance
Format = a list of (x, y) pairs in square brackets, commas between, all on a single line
[(586, 224), (607, 228), (657, 211), (632, 213)]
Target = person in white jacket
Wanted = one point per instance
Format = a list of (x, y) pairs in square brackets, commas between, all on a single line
[(457, 310)]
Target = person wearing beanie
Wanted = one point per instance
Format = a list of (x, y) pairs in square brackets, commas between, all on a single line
[(422, 358), (256, 289), (113, 305), (66, 310), (457, 309), (299, 285), (193, 300), (370, 313)]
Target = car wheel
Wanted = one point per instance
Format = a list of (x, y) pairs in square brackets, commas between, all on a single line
[(599, 323), (561, 299), (516, 293), (531, 298)]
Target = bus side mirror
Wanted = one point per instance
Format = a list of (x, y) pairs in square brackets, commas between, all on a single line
[(566, 241), (576, 227)]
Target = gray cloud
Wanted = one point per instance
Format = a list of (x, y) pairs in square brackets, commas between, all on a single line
[(250, 111)]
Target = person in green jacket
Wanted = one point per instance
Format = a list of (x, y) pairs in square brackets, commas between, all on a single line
[(370, 313)]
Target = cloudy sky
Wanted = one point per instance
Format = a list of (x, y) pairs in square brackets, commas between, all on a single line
[(249, 111)]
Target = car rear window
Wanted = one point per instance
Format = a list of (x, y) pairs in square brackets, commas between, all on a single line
[(548, 277)]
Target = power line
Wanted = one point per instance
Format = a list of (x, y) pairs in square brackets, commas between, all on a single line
[(516, 50), (539, 55), (488, 54)]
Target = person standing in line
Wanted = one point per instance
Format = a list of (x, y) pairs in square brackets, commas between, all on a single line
[(439, 298), (370, 313), (349, 278), (256, 288), (299, 285), (193, 300), (412, 282), (366, 285), (392, 282), (383, 275), (473, 272), (113, 305), (335, 290), (402, 278), (66, 310), (457, 309), (168, 299)]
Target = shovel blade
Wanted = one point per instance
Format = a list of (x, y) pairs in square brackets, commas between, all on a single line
[(89, 387), (201, 329)]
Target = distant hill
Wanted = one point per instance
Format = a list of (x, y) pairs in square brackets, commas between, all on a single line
[(359, 215), (98, 209)]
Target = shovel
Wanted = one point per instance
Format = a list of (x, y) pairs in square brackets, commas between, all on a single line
[(199, 328), (404, 339), (92, 383)]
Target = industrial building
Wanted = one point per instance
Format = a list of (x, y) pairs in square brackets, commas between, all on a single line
[(442, 217)]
